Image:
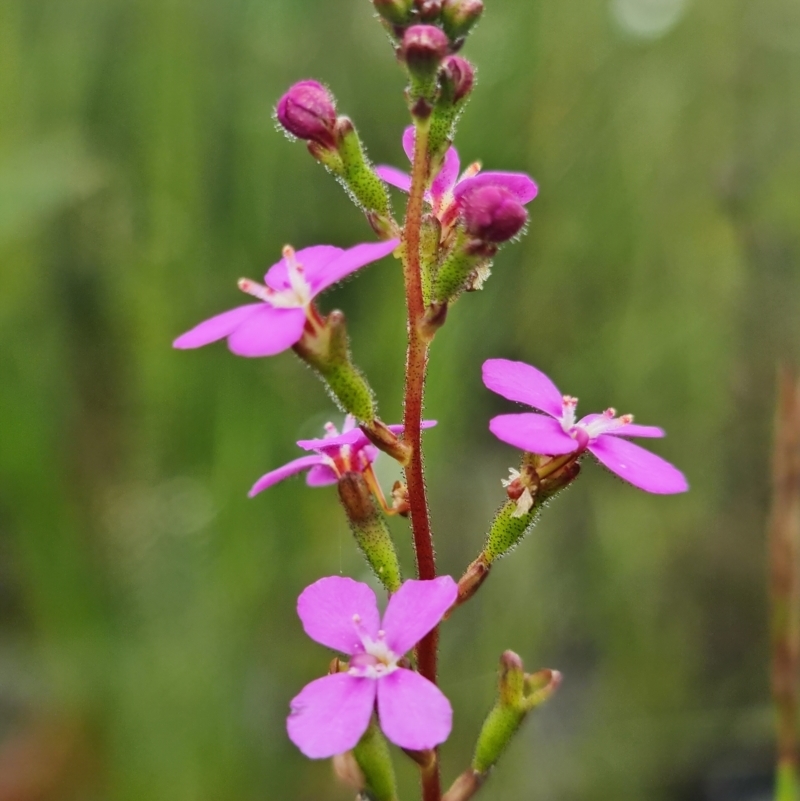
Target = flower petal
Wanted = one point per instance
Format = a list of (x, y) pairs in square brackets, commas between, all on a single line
[(351, 260), (329, 715), (409, 138), (520, 185), (290, 469), (216, 327), (267, 332), (630, 430), (354, 436), (321, 476), (634, 430), (394, 177), (447, 176), (532, 432), (520, 382), (415, 609), (327, 607), (638, 466), (414, 713), (312, 259)]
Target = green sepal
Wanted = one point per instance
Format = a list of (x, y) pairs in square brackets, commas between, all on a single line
[(453, 274), (375, 761), (429, 237), (507, 529), (370, 530), (361, 181), (327, 350), (518, 693)]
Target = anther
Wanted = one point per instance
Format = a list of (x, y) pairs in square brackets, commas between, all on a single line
[(356, 618), (626, 419), (331, 430), (472, 170), (255, 290), (611, 412)]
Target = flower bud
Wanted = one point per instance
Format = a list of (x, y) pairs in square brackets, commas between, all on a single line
[(308, 112), (459, 16), (423, 48), (429, 10), (493, 214), (457, 77), (375, 762), (398, 12)]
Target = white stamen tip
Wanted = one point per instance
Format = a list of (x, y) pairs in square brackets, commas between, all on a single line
[(356, 618), (610, 412), (569, 401), (381, 634), (626, 419), (288, 253)]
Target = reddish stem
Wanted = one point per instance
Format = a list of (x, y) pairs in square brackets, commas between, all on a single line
[(416, 364)]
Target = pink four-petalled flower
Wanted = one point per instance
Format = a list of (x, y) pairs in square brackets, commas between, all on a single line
[(448, 188), (277, 322), (557, 432), (334, 455), (330, 715)]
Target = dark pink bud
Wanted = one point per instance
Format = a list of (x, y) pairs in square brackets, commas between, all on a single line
[(457, 78), (492, 213), (429, 10), (307, 110), (458, 16), (423, 48)]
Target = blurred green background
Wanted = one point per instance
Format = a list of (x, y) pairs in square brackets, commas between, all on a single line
[(148, 639)]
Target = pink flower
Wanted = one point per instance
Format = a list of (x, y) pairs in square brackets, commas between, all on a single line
[(277, 322), (334, 455), (329, 715), (557, 432), (448, 189)]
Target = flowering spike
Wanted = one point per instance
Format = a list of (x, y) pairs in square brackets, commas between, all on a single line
[(308, 111)]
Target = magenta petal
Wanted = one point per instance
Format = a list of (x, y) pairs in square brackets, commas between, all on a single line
[(351, 260), (634, 430), (216, 327), (353, 437), (329, 715), (415, 609), (290, 469), (327, 607), (447, 176), (414, 713), (394, 177), (520, 382), (321, 476), (532, 432), (409, 138), (267, 332), (638, 466), (520, 185), (312, 259)]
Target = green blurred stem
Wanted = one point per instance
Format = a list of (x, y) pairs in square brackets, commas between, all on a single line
[(416, 365)]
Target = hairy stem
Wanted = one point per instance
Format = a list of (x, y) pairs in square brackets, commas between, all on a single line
[(416, 364)]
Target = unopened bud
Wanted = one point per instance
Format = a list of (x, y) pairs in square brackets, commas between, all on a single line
[(375, 762), (397, 12), (423, 48), (459, 16), (429, 10), (511, 681), (457, 77), (492, 213), (308, 112)]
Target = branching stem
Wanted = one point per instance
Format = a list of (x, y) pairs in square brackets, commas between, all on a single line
[(416, 365)]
